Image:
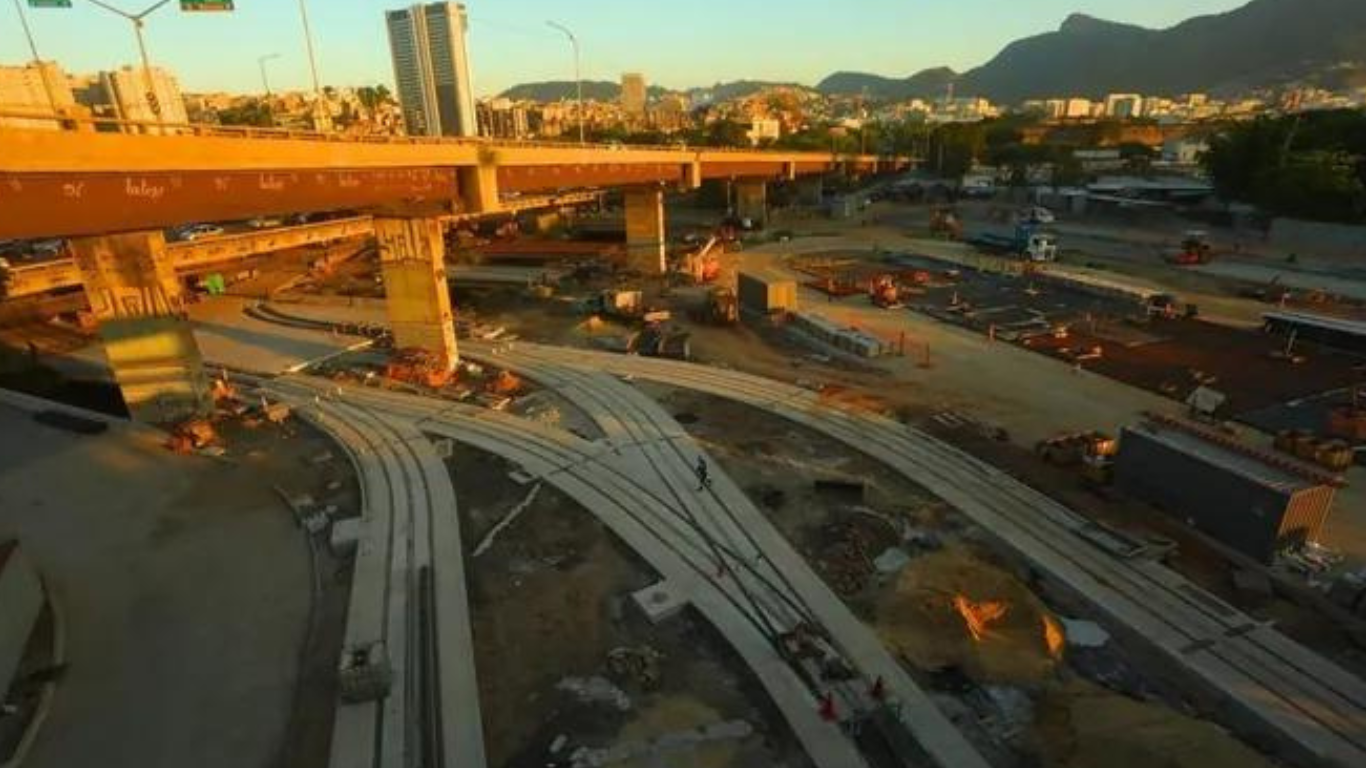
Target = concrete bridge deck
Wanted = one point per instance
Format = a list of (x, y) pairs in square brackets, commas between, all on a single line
[(55, 183)]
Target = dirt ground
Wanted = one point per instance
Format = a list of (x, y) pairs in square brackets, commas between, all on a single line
[(1193, 558), (291, 459), (1080, 725), (921, 620), (550, 603), (994, 687)]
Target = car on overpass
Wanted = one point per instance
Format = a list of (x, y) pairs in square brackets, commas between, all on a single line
[(198, 232)]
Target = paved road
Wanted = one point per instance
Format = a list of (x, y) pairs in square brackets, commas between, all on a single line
[(185, 588), (1268, 680)]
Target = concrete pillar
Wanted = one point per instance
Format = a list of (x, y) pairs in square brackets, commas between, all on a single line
[(645, 231), (412, 255), (751, 200), (479, 188), (690, 176), (811, 190), (139, 303)]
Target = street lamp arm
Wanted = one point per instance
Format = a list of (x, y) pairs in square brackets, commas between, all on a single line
[(553, 25), (149, 10), (578, 77), (119, 11)]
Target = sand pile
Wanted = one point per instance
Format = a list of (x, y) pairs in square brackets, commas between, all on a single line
[(943, 599), (1081, 725)]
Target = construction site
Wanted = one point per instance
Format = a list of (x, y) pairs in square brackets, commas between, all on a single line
[(836, 487)]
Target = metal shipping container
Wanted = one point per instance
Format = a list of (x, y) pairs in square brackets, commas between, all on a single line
[(765, 293), (1249, 501)]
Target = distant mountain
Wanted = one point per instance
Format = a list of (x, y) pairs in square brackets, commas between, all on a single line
[(738, 89), (604, 90), (927, 84), (556, 90), (1264, 43)]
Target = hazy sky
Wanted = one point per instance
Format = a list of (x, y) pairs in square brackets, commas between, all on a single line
[(676, 43)]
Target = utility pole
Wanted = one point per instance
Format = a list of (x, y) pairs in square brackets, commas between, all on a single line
[(137, 20), (578, 78), (37, 60), (318, 114)]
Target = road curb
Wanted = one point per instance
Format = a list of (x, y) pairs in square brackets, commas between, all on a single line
[(49, 693)]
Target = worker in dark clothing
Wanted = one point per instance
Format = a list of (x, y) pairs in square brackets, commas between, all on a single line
[(703, 477)]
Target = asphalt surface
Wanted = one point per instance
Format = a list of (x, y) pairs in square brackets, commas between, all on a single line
[(185, 587)]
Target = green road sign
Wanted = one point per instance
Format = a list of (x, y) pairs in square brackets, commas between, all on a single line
[(49, 3), (206, 5)]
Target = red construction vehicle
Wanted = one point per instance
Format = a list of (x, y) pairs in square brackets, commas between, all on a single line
[(883, 292), (1195, 249)]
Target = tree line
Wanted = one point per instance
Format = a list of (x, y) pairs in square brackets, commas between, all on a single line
[(1310, 166)]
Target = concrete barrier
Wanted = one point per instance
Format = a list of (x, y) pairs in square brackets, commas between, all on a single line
[(1315, 239)]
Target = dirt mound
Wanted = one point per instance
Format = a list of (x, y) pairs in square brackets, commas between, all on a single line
[(944, 599), (1081, 725)]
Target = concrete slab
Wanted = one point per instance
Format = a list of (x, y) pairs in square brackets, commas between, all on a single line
[(185, 589)]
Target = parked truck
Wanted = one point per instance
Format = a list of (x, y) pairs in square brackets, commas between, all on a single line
[(1029, 241)]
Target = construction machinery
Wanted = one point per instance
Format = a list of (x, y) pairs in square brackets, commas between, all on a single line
[(1195, 249), (1029, 241), (618, 303), (723, 307), (884, 292), (704, 264), (1092, 453), (944, 223), (662, 340)]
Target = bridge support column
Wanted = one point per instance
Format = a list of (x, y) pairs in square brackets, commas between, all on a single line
[(479, 188), (690, 176), (645, 231), (751, 200), (412, 254), (811, 190), (139, 302)]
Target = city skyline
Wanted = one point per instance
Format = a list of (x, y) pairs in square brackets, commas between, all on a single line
[(510, 44)]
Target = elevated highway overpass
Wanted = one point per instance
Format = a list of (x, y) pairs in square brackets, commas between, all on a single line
[(73, 183), (199, 255), (113, 194)]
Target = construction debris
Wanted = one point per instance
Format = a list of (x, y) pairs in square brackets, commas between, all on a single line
[(413, 365), (191, 435), (641, 665), (365, 674), (1081, 633), (595, 690)]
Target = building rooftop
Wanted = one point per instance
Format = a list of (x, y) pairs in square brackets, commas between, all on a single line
[(1326, 322), (1280, 473)]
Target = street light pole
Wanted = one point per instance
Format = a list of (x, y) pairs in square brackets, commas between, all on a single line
[(578, 78), (37, 60), (313, 68), (137, 20), (261, 62)]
